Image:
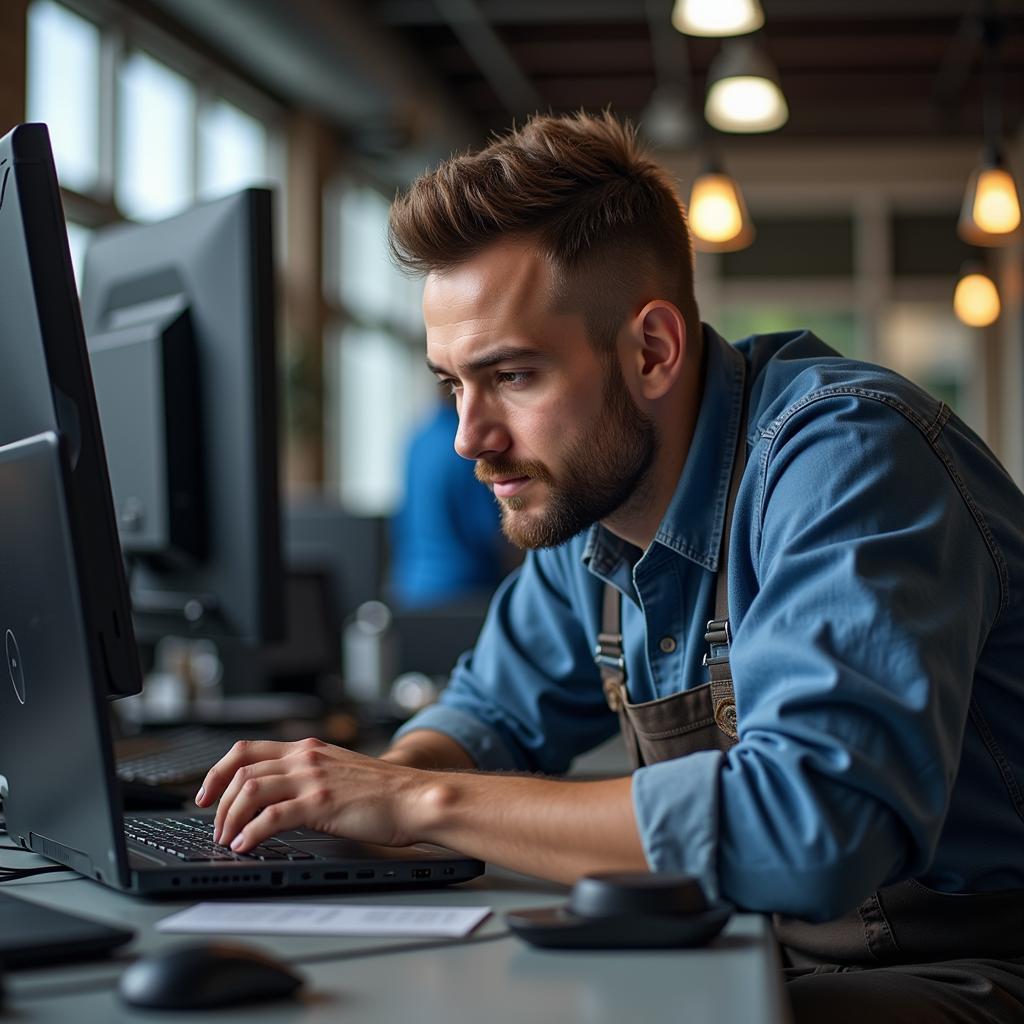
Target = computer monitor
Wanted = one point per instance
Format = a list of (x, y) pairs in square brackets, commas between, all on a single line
[(46, 386), (180, 322), (319, 534)]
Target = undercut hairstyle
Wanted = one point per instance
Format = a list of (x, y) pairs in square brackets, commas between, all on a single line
[(605, 215)]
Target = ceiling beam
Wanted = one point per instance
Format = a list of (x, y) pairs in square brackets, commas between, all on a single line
[(539, 12), (326, 56), (491, 55)]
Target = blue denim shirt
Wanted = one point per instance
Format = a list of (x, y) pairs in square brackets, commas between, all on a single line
[(876, 595)]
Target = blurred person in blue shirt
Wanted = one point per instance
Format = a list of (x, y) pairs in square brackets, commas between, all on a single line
[(795, 582), (447, 544)]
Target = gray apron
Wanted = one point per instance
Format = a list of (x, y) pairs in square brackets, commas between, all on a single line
[(902, 923)]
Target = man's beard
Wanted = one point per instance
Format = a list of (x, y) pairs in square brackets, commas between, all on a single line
[(602, 471)]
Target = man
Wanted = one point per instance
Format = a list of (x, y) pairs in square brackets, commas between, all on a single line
[(855, 757)]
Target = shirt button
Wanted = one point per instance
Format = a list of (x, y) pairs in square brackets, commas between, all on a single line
[(667, 644)]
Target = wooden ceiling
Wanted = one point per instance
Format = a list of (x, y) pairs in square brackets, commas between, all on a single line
[(851, 69)]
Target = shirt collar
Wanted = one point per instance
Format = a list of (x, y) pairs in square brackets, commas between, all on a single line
[(692, 524)]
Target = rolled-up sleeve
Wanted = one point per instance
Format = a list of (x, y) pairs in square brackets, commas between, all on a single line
[(528, 696), (866, 590)]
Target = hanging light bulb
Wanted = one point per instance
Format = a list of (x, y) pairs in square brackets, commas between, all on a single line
[(718, 217), (744, 92), (976, 300), (717, 17), (991, 211)]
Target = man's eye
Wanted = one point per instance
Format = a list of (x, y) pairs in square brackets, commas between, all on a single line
[(448, 386), (516, 378)]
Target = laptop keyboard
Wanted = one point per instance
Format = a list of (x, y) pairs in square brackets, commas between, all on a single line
[(191, 839), (183, 755)]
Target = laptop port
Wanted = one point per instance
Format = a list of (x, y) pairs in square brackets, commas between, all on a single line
[(390, 873), (448, 871), (421, 872), (365, 874), (335, 876)]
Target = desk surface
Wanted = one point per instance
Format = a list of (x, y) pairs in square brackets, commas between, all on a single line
[(491, 977), (486, 978)]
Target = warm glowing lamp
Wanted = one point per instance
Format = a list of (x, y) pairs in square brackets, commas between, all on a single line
[(991, 211), (717, 17), (976, 300), (744, 93), (718, 217)]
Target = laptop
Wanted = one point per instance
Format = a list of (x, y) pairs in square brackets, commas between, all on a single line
[(57, 773)]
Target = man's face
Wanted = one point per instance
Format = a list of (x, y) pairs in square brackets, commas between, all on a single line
[(549, 421)]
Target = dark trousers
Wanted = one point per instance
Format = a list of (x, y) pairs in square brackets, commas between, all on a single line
[(965, 991)]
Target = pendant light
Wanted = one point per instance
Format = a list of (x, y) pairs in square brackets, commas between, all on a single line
[(991, 210), (744, 93), (717, 17), (717, 214), (976, 299)]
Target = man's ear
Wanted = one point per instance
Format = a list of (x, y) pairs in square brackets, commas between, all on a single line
[(659, 340)]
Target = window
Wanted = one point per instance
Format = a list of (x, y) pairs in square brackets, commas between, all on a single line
[(233, 149), (382, 389), (791, 246), (154, 139), (839, 328), (874, 282), (927, 244), (377, 384), (64, 89), (141, 127), (924, 341)]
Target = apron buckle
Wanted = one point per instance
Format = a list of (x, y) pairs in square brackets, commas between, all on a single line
[(615, 694), (725, 717)]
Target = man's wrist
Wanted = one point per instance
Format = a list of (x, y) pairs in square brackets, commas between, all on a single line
[(430, 804)]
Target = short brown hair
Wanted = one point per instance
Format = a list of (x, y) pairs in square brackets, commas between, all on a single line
[(608, 217)]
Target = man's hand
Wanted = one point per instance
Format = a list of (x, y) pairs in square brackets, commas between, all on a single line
[(266, 787), (543, 827)]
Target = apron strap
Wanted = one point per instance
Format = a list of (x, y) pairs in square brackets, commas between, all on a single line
[(719, 636), (608, 653)]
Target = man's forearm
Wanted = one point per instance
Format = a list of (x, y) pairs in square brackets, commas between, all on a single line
[(539, 826), (426, 748), (552, 829)]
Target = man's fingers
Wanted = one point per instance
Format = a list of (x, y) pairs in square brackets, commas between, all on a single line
[(253, 796), (242, 753), (275, 818), (244, 774)]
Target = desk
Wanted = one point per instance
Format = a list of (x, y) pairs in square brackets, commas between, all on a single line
[(486, 979)]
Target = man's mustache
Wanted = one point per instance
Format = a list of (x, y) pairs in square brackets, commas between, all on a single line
[(489, 470)]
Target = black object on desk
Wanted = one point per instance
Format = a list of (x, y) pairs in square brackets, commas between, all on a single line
[(625, 911), (32, 935), (206, 975)]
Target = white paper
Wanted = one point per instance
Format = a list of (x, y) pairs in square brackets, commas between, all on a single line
[(284, 918)]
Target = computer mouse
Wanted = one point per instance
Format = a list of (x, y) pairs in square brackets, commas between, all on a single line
[(201, 976)]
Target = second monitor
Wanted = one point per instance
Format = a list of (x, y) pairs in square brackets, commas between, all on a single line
[(180, 322)]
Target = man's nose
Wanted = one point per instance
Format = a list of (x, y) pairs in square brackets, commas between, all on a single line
[(480, 432)]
